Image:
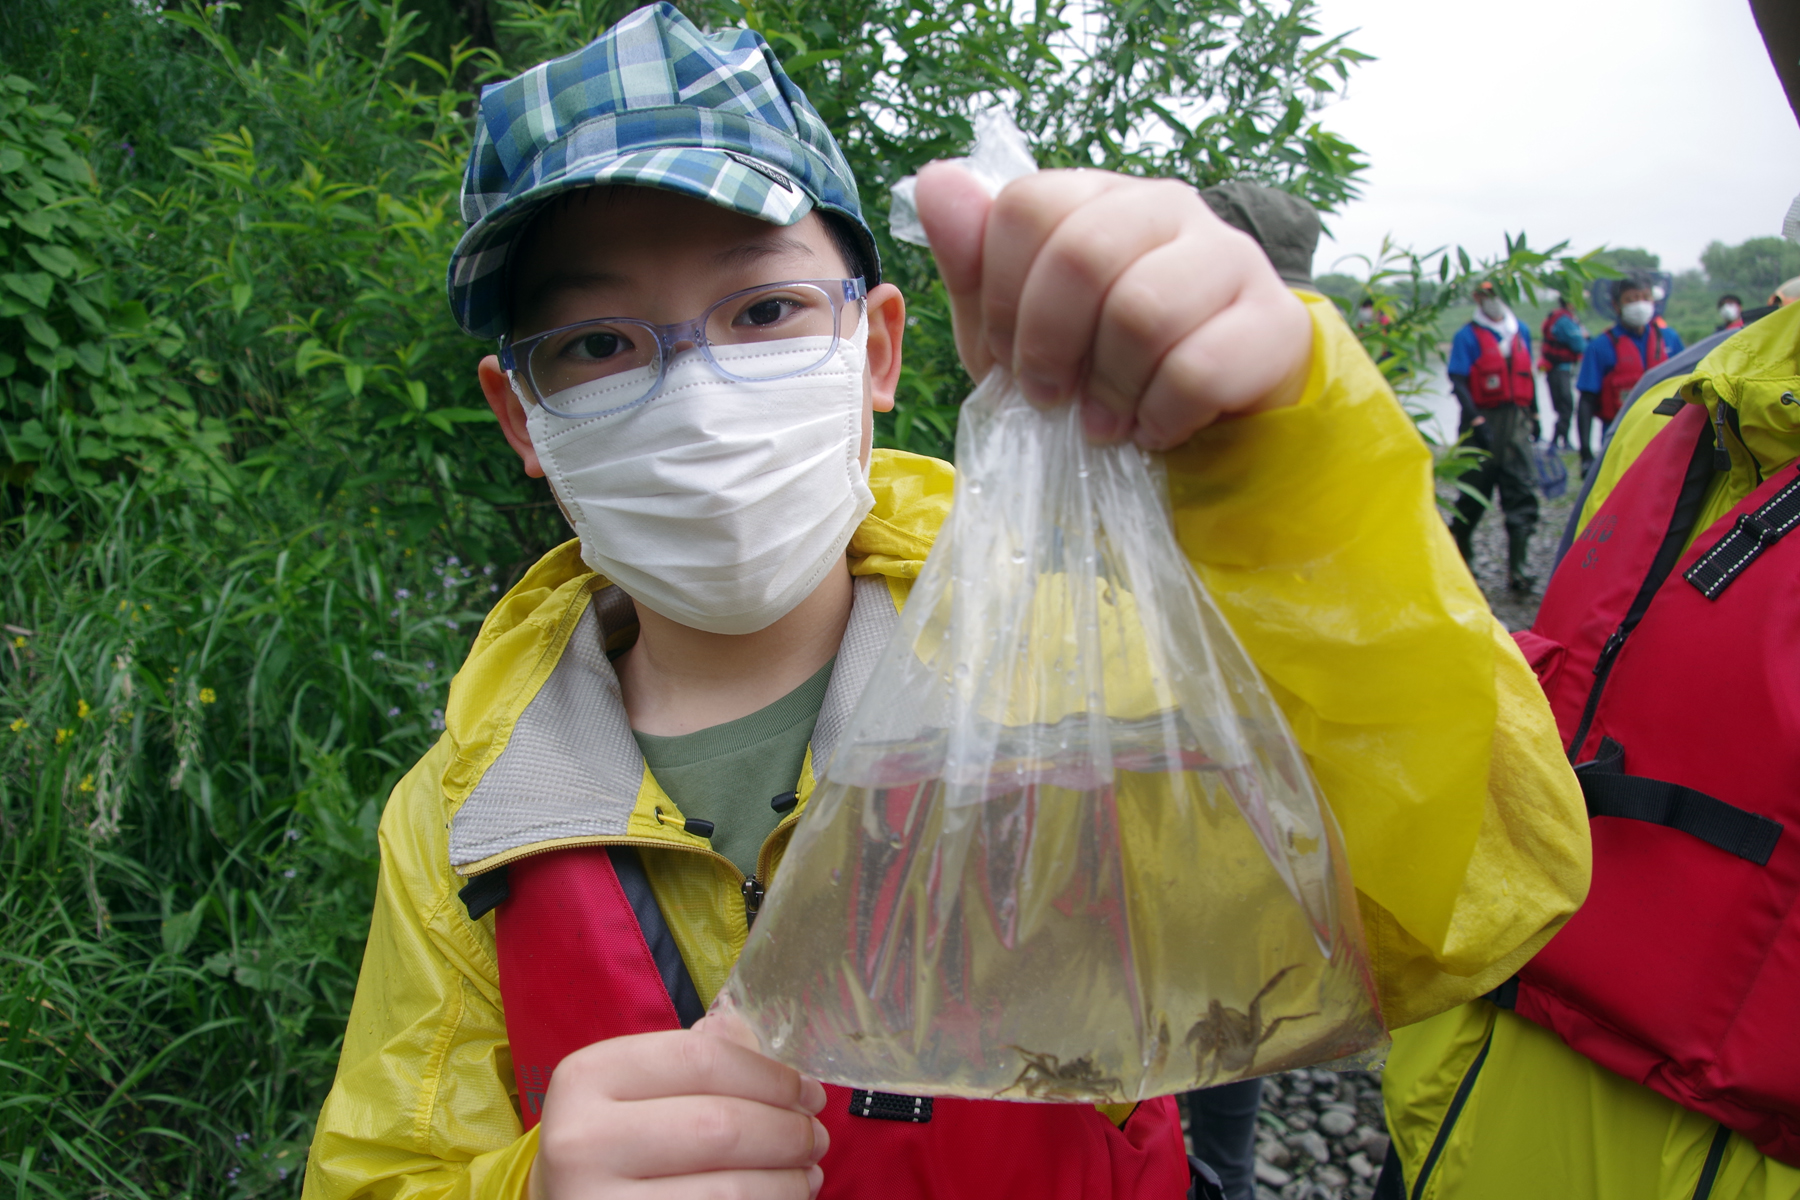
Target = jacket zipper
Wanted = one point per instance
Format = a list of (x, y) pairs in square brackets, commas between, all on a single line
[(1602, 668), (754, 887)]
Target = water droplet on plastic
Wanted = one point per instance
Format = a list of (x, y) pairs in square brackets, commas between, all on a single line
[(1018, 556), (975, 487), (962, 671)]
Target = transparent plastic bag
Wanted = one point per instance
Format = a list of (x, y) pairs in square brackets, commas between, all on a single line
[(1067, 848)]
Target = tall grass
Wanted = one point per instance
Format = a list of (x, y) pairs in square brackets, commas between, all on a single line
[(198, 732)]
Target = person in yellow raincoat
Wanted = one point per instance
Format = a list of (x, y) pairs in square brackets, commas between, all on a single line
[(1483, 1103), (646, 216)]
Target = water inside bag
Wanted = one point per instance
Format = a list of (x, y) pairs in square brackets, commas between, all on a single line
[(1066, 847)]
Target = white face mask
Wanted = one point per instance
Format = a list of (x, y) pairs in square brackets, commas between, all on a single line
[(720, 504), (1492, 309), (1637, 314), (1728, 312)]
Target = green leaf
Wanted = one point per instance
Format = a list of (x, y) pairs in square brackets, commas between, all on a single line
[(41, 331), (132, 316), (35, 287), (8, 364), (240, 298), (179, 931), (353, 378), (811, 58), (57, 260), (10, 160)]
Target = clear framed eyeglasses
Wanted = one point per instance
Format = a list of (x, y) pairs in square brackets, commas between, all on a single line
[(598, 367)]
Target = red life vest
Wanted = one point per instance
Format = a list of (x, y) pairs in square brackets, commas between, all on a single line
[(585, 955), (1628, 366), (1495, 380), (1675, 679), (1555, 351)]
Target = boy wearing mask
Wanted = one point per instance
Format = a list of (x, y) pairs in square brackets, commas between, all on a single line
[(1490, 371), (693, 338), (1615, 361)]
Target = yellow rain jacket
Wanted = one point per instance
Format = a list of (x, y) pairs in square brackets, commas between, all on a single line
[(1316, 530), (1538, 1119)]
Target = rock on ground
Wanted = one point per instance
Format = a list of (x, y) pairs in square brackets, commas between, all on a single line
[(1319, 1136)]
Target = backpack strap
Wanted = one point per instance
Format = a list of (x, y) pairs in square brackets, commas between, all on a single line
[(1753, 533), (1612, 793)]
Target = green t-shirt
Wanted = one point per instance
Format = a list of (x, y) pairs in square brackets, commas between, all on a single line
[(728, 774)]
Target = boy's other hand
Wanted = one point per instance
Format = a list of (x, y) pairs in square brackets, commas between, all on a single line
[(689, 1112), (1127, 294)]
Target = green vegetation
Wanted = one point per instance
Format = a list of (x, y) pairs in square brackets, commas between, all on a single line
[(252, 512)]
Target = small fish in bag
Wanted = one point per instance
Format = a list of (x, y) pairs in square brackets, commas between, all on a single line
[(1066, 848)]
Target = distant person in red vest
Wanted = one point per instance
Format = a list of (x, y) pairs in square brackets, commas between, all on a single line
[(1490, 371), (1559, 352), (1615, 361), (1731, 313)]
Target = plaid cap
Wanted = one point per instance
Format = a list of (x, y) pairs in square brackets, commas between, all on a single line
[(654, 102)]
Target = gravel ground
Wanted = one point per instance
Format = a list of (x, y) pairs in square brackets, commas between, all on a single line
[(1320, 1134)]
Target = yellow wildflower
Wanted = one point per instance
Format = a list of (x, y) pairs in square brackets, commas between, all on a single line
[(20, 725), (63, 735), (124, 604), (86, 785), (207, 695), (82, 710), (19, 642)]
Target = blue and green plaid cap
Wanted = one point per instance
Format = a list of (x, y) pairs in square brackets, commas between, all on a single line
[(654, 102)]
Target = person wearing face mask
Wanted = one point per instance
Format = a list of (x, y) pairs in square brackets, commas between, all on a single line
[(691, 338), (1615, 361), (1651, 1051), (1490, 372), (1731, 313)]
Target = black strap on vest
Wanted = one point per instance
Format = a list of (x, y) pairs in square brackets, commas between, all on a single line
[(484, 893), (1694, 483), (1753, 533), (667, 955), (490, 889), (1612, 793)]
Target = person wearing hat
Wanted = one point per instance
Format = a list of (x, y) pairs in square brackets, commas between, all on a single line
[(1651, 1050), (691, 335), (1490, 372)]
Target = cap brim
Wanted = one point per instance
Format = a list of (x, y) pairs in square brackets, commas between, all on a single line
[(727, 178)]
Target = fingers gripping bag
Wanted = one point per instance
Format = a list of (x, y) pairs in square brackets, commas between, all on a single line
[(1066, 848)]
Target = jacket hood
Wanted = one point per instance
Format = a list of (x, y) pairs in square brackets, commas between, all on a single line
[(1750, 383)]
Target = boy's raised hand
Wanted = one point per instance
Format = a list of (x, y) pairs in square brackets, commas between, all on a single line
[(682, 1113), (1127, 294)]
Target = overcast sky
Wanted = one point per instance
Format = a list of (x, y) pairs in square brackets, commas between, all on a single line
[(1653, 123)]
